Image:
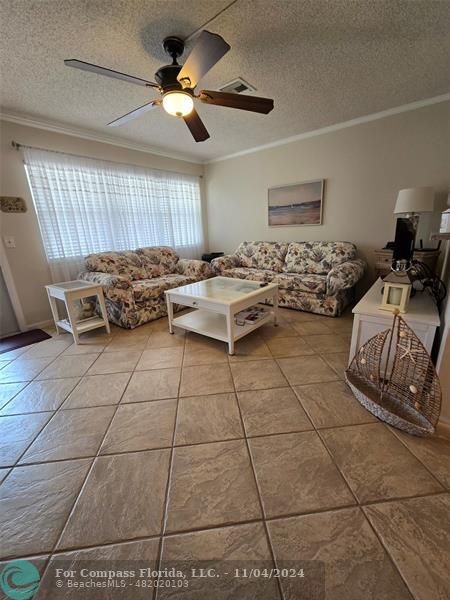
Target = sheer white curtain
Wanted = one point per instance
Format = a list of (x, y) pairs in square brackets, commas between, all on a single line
[(86, 205)]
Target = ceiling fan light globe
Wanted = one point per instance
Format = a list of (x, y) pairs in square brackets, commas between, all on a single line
[(178, 104)]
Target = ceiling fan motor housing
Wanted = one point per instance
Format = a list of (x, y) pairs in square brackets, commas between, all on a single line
[(166, 77)]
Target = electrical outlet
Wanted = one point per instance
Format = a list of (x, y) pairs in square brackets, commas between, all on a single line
[(10, 241)]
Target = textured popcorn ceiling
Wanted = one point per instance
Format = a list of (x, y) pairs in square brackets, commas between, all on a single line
[(323, 62)]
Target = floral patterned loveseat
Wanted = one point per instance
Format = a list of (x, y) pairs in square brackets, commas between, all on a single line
[(316, 277), (134, 281)]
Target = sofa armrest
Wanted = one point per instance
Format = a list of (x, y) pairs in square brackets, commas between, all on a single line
[(106, 279), (222, 263), (345, 276), (197, 269)]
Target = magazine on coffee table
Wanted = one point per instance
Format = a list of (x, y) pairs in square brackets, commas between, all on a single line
[(250, 315)]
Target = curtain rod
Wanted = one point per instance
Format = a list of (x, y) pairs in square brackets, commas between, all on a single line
[(17, 146)]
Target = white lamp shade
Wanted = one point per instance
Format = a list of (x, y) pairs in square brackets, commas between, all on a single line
[(415, 200)]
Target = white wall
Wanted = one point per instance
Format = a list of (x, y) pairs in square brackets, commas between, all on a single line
[(364, 167), (27, 261)]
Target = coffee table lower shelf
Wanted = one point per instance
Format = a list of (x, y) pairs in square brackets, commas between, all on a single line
[(214, 325)]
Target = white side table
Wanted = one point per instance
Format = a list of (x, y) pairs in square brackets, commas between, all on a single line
[(69, 291), (422, 316)]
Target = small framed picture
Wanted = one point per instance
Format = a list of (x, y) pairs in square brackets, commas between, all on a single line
[(297, 204)]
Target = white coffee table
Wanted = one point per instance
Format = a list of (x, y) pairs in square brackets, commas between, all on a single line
[(217, 301), (68, 292)]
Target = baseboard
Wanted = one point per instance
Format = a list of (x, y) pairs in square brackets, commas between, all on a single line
[(7, 335), (39, 325)]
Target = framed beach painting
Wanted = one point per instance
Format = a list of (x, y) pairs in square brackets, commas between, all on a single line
[(297, 204)]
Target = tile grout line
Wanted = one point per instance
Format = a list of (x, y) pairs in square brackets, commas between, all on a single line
[(16, 464), (370, 503), (377, 501), (333, 460), (292, 387), (57, 553), (270, 519), (55, 356), (371, 422), (85, 376), (441, 483), (35, 412), (26, 384), (165, 514), (388, 554), (258, 491), (222, 441), (184, 445), (82, 377)]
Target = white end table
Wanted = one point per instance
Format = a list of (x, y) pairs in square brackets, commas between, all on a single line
[(68, 292), (422, 316)]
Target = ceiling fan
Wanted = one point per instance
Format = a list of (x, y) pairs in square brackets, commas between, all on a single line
[(177, 83)]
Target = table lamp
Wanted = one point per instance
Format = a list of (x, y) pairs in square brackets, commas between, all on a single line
[(412, 201), (398, 284)]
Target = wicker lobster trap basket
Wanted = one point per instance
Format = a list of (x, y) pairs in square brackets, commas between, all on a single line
[(406, 393)]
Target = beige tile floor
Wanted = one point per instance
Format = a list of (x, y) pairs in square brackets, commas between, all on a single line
[(147, 446)]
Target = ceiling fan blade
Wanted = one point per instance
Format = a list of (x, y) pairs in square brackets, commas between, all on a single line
[(137, 112), (252, 103), (196, 126), (85, 66), (208, 50)]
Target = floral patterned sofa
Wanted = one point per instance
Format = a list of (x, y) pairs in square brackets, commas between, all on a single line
[(134, 281), (316, 277)]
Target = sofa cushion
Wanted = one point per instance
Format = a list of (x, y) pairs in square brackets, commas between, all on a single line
[(158, 260), (151, 289), (317, 257), (247, 273), (126, 263), (309, 283), (314, 284), (262, 255)]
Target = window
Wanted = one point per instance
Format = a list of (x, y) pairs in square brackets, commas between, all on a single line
[(86, 206)]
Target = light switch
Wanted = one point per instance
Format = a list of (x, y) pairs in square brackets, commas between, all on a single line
[(10, 241)]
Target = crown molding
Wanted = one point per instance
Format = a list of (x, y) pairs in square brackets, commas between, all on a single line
[(338, 126), (86, 134), (95, 137)]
